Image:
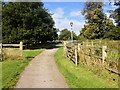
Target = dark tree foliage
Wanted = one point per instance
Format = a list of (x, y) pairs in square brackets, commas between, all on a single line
[(116, 13), (29, 22), (65, 34), (115, 32), (0, 22)]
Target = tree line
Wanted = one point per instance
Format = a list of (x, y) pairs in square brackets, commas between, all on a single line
[(97, 24), (31, 23)]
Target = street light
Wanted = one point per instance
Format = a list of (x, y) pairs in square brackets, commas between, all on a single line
[(71, 24)]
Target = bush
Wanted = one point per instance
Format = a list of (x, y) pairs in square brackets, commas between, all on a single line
[(113, 34), (81, 38)]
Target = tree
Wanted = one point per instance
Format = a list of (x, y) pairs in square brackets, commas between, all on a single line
[(0, 22), (65, 34), (113, 33), (29, 22), (97, 23), (116, 13)]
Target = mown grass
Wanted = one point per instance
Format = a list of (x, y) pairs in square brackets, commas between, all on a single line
[(31, 53), (79, 77), (11, 69), (0, 75)]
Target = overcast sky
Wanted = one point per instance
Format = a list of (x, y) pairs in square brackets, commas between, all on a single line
[(66, 12)]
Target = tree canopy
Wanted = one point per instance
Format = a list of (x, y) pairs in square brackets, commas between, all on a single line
[(29, 22), (0, 22), (97, 23), (116, 13), (65, 34)]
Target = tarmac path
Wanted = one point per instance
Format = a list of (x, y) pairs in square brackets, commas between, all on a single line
[(42, 72)]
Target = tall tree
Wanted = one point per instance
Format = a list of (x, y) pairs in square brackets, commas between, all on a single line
[(116, 13), (0, 22), (29, 22), (97, 22)]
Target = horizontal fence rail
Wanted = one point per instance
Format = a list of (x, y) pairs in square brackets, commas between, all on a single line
[(4, 47), (71, 52), (96, 50)]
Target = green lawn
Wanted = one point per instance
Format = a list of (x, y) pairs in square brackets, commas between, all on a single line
[(79, 77), (11, 69), (0, 75)]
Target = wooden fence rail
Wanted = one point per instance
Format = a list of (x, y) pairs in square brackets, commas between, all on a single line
[(72, 52), (20, 46)]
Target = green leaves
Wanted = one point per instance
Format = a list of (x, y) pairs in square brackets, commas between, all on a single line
[(65, 34), (29, 22), (116, 13), (113, 34), (97, 23)]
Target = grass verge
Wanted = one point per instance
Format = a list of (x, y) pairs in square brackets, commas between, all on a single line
[(11, 69), (79, 77)]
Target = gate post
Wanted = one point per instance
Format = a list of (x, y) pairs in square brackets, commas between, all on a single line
[(104, 54), (76, 59), (1, 51), (21, 48)]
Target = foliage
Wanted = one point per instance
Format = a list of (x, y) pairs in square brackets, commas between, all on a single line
[(97, 23), (11, 69), (29, 22), (80, 77), (81, 38), (116, 13), (113, 34), (0, 22), (65, 34)]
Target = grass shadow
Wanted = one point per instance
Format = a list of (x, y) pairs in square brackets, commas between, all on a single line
[(43, 46), (30, 57)]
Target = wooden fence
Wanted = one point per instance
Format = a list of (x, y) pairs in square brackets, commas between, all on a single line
[(71, 52), (88, 51), (4, 47)]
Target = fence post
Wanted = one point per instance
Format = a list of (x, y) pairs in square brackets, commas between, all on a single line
[(76, 61), (83, 43), (91, 43), (1, 51), (64, 48), (87, 43), (100, 43), (104, 53), (21, 48), (78, 47)]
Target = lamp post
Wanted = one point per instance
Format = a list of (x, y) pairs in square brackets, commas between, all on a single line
[(71, 24)]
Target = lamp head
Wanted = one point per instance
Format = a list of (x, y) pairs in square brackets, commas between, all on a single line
[(71, 23)]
